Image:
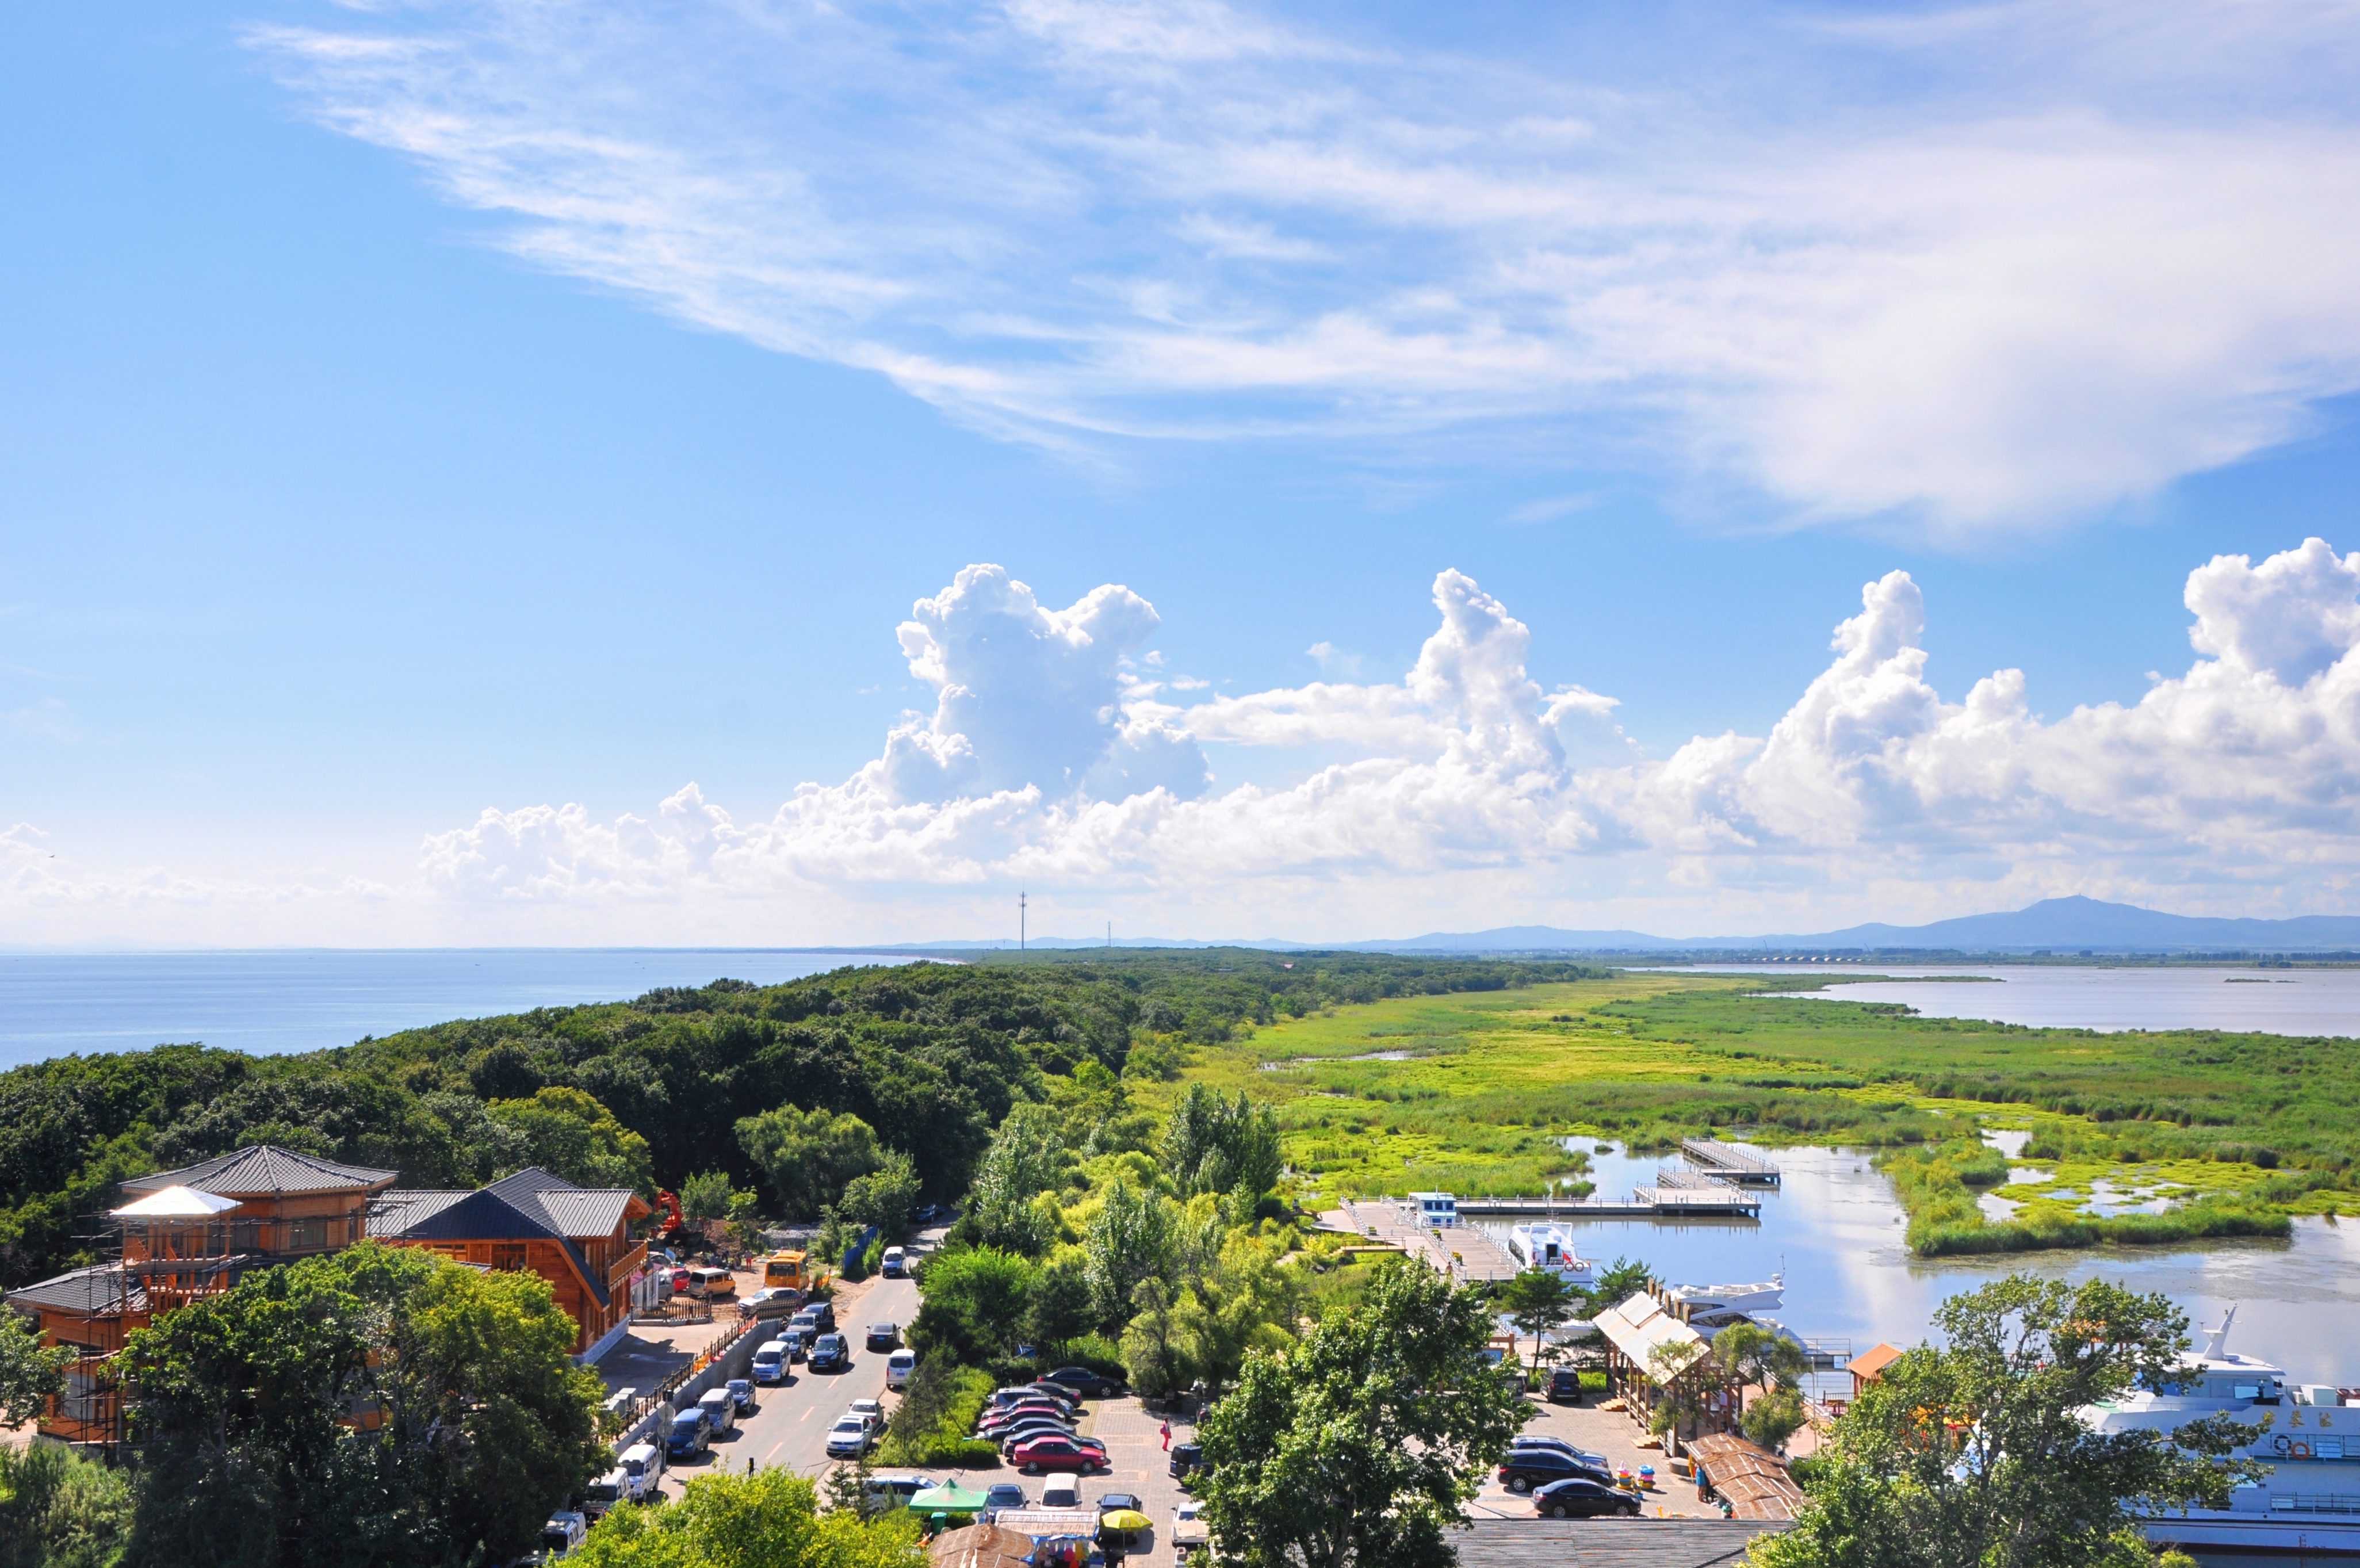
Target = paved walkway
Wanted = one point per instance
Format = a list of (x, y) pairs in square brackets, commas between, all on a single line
[(1461, 1252), (1134, 1443)]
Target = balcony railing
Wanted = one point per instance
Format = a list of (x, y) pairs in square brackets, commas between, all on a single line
[(631, 1263)]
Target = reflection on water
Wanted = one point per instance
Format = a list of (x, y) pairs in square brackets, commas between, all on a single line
[(1836, 1230)]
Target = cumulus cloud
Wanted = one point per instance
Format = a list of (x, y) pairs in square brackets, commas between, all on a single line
[(1045, 763), (2086, 250)]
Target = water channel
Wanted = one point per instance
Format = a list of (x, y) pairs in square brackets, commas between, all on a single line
[(2075, 996), (1835, 1230)]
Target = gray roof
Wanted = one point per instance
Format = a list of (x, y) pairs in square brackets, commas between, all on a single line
[(92, 1292), (1607, 1543), (265, 1167), (531, 1203)]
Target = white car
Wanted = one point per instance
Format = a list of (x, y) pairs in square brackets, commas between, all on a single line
[(869, 1411), (1188, 1524), (849, 1438)]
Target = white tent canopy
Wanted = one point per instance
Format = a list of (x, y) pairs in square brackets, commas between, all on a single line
[(176, 1204)]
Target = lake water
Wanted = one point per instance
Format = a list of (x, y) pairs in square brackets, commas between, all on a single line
[(2304, 1002), (1835, 1229), (270, 1001)]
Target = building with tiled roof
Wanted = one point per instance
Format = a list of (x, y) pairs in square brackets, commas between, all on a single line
[(185, 1234), (577, 1238)]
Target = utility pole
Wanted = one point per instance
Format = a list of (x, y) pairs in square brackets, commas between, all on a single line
[(1019, 921), (1109, 935)]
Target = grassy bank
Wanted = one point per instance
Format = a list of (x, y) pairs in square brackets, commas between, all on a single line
[(1476, 1093)]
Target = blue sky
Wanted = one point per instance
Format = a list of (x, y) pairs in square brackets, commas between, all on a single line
[(413, 410)]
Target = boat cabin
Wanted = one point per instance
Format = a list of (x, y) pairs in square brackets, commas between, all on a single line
[(1432, 1210)]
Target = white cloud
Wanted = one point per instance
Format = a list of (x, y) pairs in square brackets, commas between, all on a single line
[(1462, 794), (2087, 254), (2212, 786)]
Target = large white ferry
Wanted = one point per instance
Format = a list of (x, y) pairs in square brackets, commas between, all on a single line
[(2310, 1439), (1544, 1245), (1717, 1306)]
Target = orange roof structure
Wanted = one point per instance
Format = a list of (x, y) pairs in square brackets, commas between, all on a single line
[(1870, 1364), (1754, 1479)]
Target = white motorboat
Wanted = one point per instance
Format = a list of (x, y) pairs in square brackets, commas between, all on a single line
[(2309, 1438), (1544, 1245), (1717, 1306)]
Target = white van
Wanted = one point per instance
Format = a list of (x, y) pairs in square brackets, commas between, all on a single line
[(609, 1489), (642, 1470), (896, 1263), (770, 1363), (720, 1410), (898, 1367)]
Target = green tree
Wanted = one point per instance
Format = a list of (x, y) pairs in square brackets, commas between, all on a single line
[(884, 1198), (57, 1511), (1617, 1283), (972, 1303), (705, 1196), (1977, 1454), (1061, 1308), (31, 1372), (568, 1133), (1027, 1158), (1358, 1447), (1249, 1301), (1751, 1357), (1215, 1145), (808, 1156), (1130, 1239), (1538, 1301), (473, 1417), (1154, 1355), (769, 1519)]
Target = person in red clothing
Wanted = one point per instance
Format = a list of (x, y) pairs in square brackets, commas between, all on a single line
[(1167, 1434)]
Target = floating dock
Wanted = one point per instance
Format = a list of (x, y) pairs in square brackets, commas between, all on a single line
[(1656, 1202), (1729, 1163)]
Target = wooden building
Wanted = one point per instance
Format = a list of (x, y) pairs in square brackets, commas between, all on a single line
[(181, 1234), (577, 1238)]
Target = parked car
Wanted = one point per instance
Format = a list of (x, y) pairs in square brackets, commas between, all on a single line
[(1525, 1468), (798, 1343), (605, 1492), (771, 1301), (931, 1214), (895, 1491), (1565, 1386), (816, 1317), (1059, 1451), (1011, 1414), (642, 1468), (1042, 1387), (1085, 1383), (1060, 1494), (884, 1336), (688, 1436), (1108, 1502), (869, 1411), (849, 1438), (1557, 1445), (713, 1284), (1186, 1456), (563, 1533), (1001, 1494), (1188, 1527), (895, 1264), (720, 1410), (741, 1391), (679, 1280), (1015, 1437), (770, 1363), (1582, 1498), (899, 1366), (830, 1353)]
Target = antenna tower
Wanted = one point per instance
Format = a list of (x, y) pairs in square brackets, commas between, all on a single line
[(1019, 921)]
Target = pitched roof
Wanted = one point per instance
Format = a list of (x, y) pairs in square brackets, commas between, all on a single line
[(1873, 1361), (1754, 1479), (1639, 1325), (101, 1290), (530, 1205), (396, 1211), (175, 1204), (1607, 1543), (264, 1169)]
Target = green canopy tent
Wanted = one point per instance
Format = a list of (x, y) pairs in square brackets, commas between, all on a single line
[(949, 1498)]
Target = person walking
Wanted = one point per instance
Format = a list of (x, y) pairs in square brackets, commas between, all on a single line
[(1167, 1434)]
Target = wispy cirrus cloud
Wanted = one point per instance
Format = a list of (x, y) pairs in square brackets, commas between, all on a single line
[(2083, 251)]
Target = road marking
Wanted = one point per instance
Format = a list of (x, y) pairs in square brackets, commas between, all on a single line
[(774, 1453), (807, 1410)]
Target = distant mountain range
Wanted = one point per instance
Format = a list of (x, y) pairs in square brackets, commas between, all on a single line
[(2057, 925)]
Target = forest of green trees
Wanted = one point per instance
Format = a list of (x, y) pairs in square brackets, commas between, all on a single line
[(649, 1092)]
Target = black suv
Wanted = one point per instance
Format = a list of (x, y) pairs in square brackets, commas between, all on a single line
[(1186, 1456), (1525, 1468), (1085, 1383), (1565, 1386)]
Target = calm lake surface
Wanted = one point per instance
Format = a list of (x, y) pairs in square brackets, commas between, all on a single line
[(271, 1002), (2269, 1002), (1834, 1228)]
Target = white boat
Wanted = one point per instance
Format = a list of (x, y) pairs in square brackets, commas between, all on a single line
[(1544, 1245), (2309, 1438), (1717, 1306)]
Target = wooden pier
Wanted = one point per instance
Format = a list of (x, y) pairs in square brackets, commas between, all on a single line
[(1728, 1162)]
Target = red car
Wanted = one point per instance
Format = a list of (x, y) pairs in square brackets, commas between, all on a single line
[(1080, 1454), (680, 1281)]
